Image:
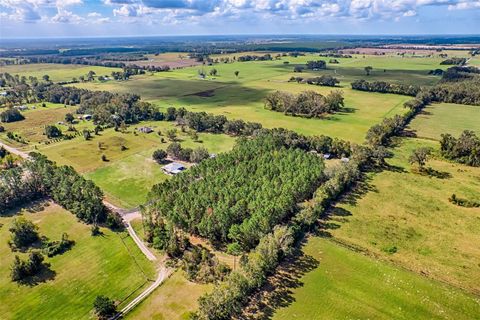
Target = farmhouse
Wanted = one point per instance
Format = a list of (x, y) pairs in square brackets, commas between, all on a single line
[(173, 168)]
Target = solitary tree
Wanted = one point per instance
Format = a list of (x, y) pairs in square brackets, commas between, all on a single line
[(104, 307), (236, 73), (159, 155), (213, 72), (368, 69), (24, 232), (420, 156), (46, 77), (69, 118), (172, 134)]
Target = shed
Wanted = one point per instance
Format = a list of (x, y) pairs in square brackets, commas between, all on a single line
[(173, 168), (87, 117)]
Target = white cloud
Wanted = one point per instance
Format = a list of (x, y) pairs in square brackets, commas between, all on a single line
[(65, 16)]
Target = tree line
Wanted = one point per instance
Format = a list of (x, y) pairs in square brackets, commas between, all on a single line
[(39, 177), (458, 85), (306, 104)]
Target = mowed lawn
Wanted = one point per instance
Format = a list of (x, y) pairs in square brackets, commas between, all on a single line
[(108, 265), (440, 118), (56, 72), (128, 175), (406, 217), (349, 285)]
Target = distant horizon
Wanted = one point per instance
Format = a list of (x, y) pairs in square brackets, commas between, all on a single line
[(412, 35)]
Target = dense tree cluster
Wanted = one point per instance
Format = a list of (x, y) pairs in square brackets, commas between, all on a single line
[(385, 87), (316, 65), (23, 233), (22, 269), (201, 266), (463, 202), (232, 197), (11, 115), (454, 61), (104, 307), (264, 57), (38, 177), (306, 104), (324, 80), (175, 151), (465, 149)]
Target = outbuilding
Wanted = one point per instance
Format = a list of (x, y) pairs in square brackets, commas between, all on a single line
[(173, 168)]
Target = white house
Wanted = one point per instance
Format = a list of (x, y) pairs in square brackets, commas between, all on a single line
[(145, 129)]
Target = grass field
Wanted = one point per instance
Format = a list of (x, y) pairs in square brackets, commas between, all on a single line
[(349, 285), (104, 265), (399, 210), (32, 128), (57, 72), (446, 118), (175, 299)]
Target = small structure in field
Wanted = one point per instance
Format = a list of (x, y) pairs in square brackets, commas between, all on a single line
[(326, 156), (345, 160), (21, 108), (145, 129), (173, 168), (87, 117)]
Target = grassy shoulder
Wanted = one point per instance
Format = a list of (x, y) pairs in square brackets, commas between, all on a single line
[(108, 265), (348, 285), (406, 217)]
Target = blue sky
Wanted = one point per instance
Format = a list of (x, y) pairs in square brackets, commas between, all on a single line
[(66, 18)]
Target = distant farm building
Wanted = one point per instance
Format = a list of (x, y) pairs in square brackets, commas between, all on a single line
[(145, 129), (21, 108), (173, 168), (87, 117)]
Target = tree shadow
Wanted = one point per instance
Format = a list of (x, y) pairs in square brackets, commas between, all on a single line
[(30, 207), (45, 274), (430, 172), (278, 291)]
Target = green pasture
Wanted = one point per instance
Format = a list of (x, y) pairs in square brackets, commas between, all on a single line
[(175, 299), (242, 97), (406, 217), (332, 282), (451, 118), (57, 72), (110, 265)]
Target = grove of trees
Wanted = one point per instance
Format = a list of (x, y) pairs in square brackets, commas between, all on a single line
[(306, 104), (464, 149)]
